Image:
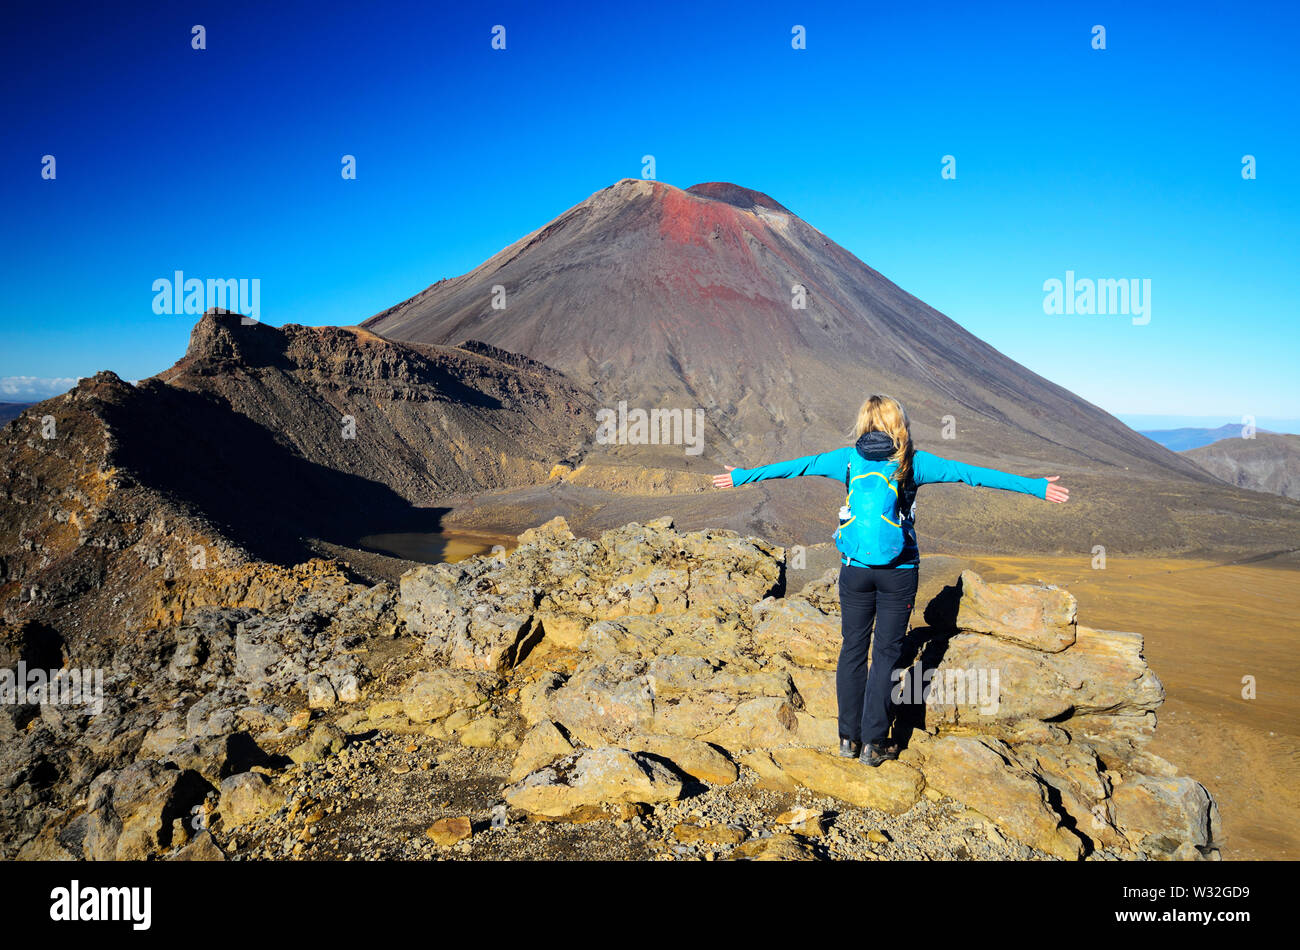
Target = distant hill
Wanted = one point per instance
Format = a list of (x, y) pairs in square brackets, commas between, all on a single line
[(1270, 462), (1180, 440), (259, 444), (12, 410)]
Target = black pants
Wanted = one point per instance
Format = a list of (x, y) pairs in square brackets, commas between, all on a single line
[(884, 595)]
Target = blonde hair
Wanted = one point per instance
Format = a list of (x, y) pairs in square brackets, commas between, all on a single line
[(886, 414)]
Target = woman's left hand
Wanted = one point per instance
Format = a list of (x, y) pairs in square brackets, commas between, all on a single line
[(1057, 493)]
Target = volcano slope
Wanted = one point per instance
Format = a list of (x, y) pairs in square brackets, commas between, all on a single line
[(671, 298)]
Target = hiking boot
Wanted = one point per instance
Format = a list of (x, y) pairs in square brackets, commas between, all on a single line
[(876, 752), (849, 748)]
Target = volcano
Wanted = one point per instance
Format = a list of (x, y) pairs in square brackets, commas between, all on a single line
[(658, 296), (651, 293)]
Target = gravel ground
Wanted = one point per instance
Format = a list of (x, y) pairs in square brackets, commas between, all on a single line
[(375, 800)]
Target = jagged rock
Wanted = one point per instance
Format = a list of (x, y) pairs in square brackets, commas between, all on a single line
[(981, 774), (543, 744), (770, 775), (1167, 816), (468, 615), (325, 740), (202, 848), (1041, 618), (1079, 779), (697, 759), (891, 787), (817, 690), (130, 813), (685, 696), (246, 797), (691, 633), (487, 613), (805, 634), (482, 733), (535, 697), (373, 612), (217, 757), (988, 682), (562, 630), (433, 694), (593, 777), (320, 692), (548, 535), (449, 831), (779, 847), (662, 656)]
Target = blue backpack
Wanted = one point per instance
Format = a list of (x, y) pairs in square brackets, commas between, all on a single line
[(871, 527)]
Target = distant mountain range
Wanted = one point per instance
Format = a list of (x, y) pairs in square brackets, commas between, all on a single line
[(1180, 440), (1265, 461)]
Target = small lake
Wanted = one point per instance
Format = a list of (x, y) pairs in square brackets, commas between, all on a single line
[(436, 546)]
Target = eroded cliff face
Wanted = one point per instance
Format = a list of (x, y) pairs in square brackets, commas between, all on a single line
[(423, 421), (644, 688)]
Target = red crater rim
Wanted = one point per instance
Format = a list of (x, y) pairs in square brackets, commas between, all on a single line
[(745, 198)]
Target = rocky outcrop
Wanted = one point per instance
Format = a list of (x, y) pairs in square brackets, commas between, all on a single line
[(600, 679), (1021, 713)]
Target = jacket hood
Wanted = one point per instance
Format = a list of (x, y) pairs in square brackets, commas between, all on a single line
[(875, 446)]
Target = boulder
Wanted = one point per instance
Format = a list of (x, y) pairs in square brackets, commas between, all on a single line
[(202, 848), (541, 746), (246, 797), (216, 757), (325, 740), (482, 733), (1038, 617), (891, 787), (473, 617), (449, 831), (800, 631), (1167, 816), (778, 847), (593, 777), (433, 694), (699, 760), (981, 774), (130, 813)]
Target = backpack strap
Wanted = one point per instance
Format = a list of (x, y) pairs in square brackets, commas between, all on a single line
[(907, 497)]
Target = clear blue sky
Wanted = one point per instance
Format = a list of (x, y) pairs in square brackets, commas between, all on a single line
[(1122, 163)]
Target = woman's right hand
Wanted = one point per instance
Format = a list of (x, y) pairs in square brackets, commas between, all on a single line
[(724, 481)]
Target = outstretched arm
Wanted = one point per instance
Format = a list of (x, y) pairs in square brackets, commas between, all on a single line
[(929, 468), (829, 464)]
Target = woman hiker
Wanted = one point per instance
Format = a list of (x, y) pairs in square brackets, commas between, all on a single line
[(879, 556)]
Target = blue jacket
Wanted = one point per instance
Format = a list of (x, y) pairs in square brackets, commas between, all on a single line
[(926, 469)]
